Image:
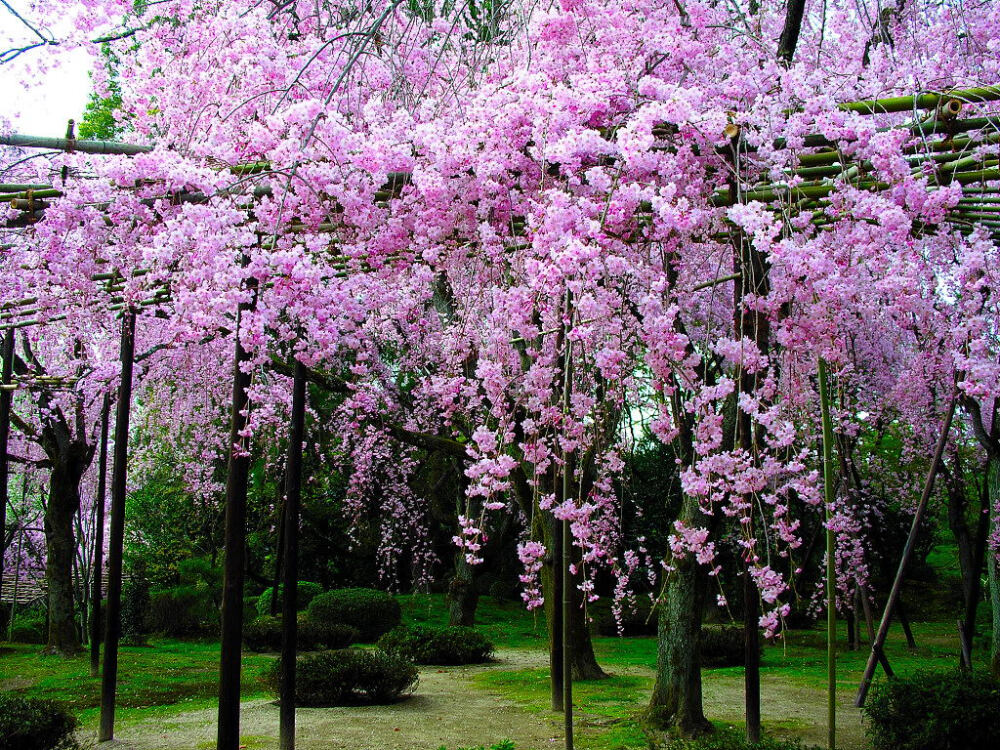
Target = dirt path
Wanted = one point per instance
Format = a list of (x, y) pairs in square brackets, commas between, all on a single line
[(446, 709), (449, 710)]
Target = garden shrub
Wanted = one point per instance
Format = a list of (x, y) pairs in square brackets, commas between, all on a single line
[(347, 677), (722, 646), (305, 592), (30, 626), (264, 634), (934, 710), (371, 611), (424, 644), (35, 724), (135, 611), (183, 611)]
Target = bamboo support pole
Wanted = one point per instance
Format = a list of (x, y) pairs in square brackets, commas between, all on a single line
[(6, 397), (95, 599), (119, 475), (230, 661), (293, 494), (72, 144), (831, 573), (928, 100)]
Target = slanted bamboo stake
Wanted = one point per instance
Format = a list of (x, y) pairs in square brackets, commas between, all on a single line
[(897, 584), (920, 101)]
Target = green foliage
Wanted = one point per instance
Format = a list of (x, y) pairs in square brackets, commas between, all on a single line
[(264, 634), (437, 645), (183, 611), (99, 118), (29, 626), (932, 710), (722, 646), (732, 739), (135, 611), (35, 724), (371, 611), (305, 592), (347, 677)]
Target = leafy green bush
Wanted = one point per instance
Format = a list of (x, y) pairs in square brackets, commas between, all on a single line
[(732, 739), (305, 592), (722, 646), (934, 711), (371, 611), (29, 626), (35, 724), (135, 611), (264, 634), (424, 644), (183, 611), (347, 677)]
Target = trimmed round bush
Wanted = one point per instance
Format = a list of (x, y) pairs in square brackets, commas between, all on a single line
[(371, 611), (264, 634), (183, 611), (29, 627), (933, 710), (722, 646), (305, 592), (348, 677), (438, 645), (35, 724)]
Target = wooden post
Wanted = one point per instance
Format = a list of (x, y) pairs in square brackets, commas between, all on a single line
[(831, 572), (230, 661), (289, 614), (116, 539), (95, 596), (6, 397), (567, 560), (890, 605)]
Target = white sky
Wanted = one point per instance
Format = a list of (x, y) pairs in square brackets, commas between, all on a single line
[(60, 84)]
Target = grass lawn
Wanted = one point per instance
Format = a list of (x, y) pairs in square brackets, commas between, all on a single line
[(172, 677)]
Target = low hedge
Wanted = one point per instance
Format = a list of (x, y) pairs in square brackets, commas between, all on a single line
[(371, 611), (347, 677), (723, 646), (35, 724), (264, 634), (305, 592), (183, 611), (438, 645), (932, 710)]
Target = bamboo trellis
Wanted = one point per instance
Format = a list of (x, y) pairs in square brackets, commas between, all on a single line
[(949, 149)]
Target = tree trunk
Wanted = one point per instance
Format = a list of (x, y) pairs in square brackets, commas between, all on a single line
[(63, 504), (463, 596), (676, 703), (581, 653)]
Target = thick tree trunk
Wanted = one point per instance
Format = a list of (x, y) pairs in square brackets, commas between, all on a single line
[(581, 653), (676, 703), (463, 596), (63, 504)]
